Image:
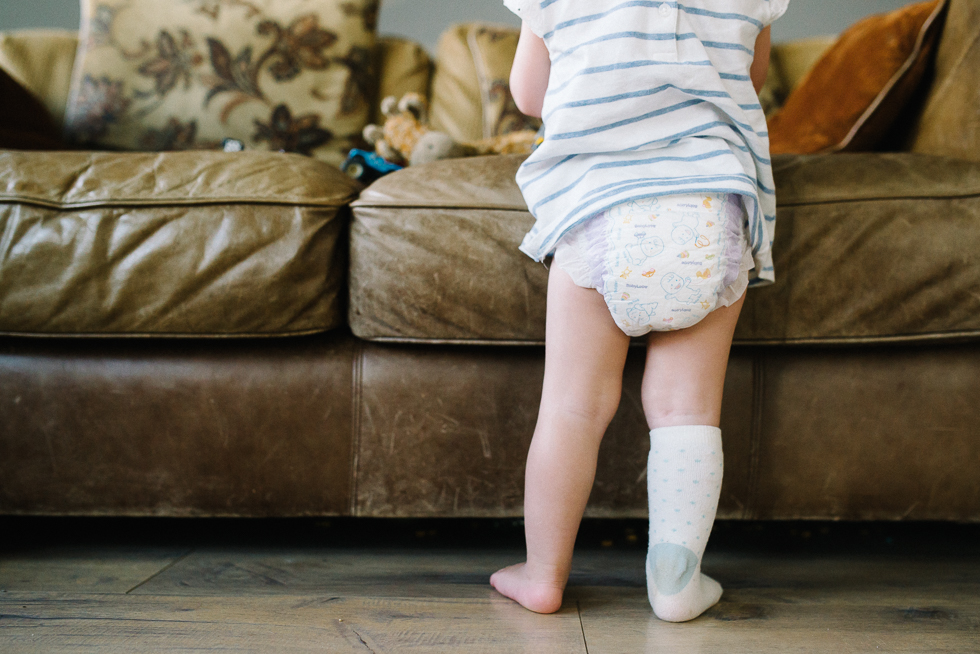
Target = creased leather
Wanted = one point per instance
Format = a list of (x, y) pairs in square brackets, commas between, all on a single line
[(70, 180), (868, 248), (260, 428), (882, 433), (459, 421), (868, 434), (171, 244), (471, 183)]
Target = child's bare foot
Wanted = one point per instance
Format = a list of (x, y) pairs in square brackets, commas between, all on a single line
[(540, 596)]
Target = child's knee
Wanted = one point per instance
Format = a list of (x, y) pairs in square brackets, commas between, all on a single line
[(672, 407), (596, 408)]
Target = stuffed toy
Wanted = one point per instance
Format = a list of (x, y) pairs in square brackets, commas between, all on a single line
[(407, 139), (521, 142)]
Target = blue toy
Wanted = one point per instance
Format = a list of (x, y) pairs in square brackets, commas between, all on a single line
[(366, 166)]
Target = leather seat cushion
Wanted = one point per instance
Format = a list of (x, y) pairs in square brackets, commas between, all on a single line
[(868, 248), (191, 243)]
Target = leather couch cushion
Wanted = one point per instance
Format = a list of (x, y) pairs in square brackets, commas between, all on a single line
[(187, 243), (173, 427), (434, 256), (868, 248), (810, 433), (280, 75)]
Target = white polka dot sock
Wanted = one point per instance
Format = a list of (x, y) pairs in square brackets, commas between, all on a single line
[(683, 482)]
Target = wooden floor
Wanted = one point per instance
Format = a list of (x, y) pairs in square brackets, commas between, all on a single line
[(349, 586)]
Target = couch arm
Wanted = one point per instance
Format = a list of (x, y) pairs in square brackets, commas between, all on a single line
[(41, 61)]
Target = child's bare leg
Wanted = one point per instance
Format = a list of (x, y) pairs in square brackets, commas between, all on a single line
[(682, 389), (584, 357), (685, 371)]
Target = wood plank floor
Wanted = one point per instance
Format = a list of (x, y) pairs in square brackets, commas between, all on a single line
[(71, 585)]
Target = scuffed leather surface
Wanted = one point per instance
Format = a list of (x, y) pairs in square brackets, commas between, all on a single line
[(868, 434), (868, 248), (444, 431), (434, 256), (407, 286), (842, 178), (871, 248), (810, 433), (176, 427), (471, 183), (174, 243), (330, 425), (73, 180)]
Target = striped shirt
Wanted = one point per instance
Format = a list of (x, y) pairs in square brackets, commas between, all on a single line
[(648, 98)]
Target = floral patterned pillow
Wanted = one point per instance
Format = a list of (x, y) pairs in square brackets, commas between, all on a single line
[(283, 75)]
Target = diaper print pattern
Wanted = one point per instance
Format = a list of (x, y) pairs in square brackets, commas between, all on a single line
[(641, 314), (665, 261), (645, 247), (679, 288)]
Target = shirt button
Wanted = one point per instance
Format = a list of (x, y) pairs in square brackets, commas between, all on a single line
[(665, 10)]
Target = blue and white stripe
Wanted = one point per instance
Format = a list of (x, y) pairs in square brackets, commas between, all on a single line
[(648, 98)]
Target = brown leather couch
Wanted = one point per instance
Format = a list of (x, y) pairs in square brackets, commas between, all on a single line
[(210, 334)]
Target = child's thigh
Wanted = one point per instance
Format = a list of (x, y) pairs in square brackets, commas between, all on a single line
[(585, 351), (685, 371)]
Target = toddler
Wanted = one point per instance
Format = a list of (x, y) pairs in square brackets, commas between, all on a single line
[(653, 190)]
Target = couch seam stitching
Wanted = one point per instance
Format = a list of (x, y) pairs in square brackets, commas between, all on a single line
[(129, 203), (882, 198), (755, 435), (356, 379)]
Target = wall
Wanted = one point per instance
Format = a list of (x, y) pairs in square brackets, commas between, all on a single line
[(424, 20)]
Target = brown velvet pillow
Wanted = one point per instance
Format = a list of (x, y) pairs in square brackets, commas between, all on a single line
[(854, 93), (24, 122)]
